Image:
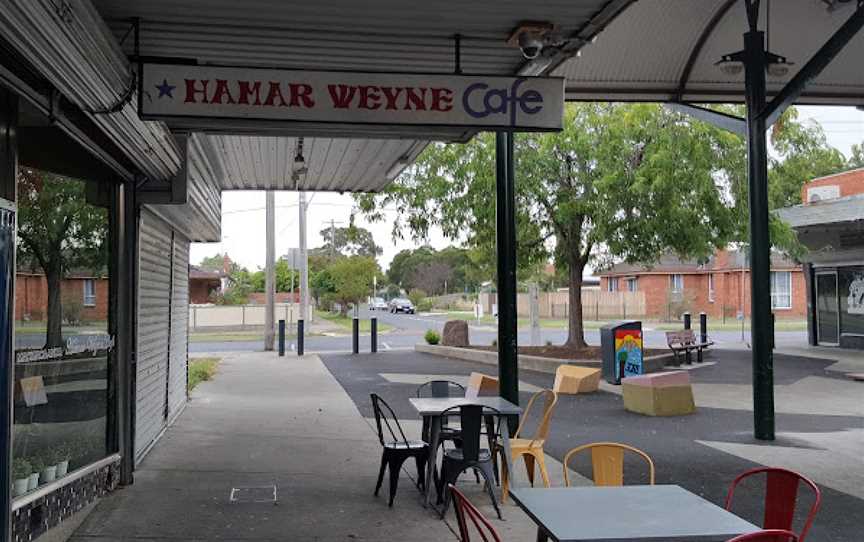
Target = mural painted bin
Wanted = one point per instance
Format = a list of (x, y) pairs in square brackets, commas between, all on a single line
[(621, 346)]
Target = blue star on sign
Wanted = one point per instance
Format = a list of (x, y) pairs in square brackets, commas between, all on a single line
[(165, 89)]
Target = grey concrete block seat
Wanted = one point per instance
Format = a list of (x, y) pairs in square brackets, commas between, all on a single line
[(396, 448)]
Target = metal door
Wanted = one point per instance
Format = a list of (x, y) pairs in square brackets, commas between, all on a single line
[(827, 309)]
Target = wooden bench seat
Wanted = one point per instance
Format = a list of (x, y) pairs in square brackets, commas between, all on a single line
[(685, 341)]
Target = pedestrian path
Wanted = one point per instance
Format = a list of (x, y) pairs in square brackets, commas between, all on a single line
[(264, 421), (284, 427)]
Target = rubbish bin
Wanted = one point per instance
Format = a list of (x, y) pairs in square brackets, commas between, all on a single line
[(621, 346)]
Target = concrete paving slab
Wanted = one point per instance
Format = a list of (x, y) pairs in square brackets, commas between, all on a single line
[(264, 420)]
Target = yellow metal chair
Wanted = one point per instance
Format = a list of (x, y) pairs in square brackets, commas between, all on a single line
[(607, 461), (529, 449)]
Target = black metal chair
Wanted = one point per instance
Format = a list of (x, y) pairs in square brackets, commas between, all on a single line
[(442, 388), (470, 455), (396, 448)]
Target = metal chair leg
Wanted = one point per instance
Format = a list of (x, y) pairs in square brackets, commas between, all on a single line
[(381, 473), (486, 470)]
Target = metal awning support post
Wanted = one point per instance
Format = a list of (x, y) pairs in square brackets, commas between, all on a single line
[(761, 322), (506, 240), (8, 170)]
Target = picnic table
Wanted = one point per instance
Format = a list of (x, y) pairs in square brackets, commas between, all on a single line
[(622, 513), (430, 409)]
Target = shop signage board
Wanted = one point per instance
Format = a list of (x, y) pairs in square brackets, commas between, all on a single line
[(171, 91)]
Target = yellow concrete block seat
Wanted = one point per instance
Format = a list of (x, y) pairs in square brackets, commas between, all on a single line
[(481, 385), (659, 394), (570, 379)]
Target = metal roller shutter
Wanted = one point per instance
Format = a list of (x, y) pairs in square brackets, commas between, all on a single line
[(178, 356), (154, 296)]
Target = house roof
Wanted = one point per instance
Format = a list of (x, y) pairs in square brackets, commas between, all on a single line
[(836, 211), (726, 260), (196, 272)]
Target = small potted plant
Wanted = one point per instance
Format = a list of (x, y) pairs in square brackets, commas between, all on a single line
[(21, 470), (62, 453), (48, 472), (35, 467)]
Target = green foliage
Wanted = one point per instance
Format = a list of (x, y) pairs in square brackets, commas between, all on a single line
[(215, 262), (432, 337), (283, 275), (856, 158), (416, 296), (72, 307), (200, 370), (21, 468), (434, 270), (393, 290), (240, 285), (424, 305), (352, 280), (321, 284), (58, 231), (350, 241)]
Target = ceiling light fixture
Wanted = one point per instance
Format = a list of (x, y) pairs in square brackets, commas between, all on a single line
[(300, 167)]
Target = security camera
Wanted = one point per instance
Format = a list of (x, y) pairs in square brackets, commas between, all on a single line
[(530, 44)]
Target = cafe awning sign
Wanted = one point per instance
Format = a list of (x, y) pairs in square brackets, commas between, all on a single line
[(173, 91)]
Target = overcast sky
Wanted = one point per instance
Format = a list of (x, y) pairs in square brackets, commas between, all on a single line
[(243, 212)]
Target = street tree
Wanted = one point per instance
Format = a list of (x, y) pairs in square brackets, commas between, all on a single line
[(352, 280), (620, 181), (215, 262), (856, 157), (349, 241), (58, 231)]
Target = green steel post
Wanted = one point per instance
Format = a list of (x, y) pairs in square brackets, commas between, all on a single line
[(506, 241), (761, 326)]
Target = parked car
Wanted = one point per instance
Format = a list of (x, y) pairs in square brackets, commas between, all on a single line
[(378, 304), (401, 304)]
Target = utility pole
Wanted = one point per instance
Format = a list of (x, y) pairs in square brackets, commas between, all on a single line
[(304, 261), (270, 269)]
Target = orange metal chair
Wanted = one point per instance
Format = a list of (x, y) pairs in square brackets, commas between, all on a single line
[(530, 450), (607, 461), (781, 495), (464, 509), (770, 535)]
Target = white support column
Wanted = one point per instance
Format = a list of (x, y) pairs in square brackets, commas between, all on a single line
[(270, 269)]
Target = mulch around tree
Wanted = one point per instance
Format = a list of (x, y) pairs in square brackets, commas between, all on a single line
[(564, 352)]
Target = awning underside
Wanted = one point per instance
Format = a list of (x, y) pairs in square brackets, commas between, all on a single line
[(666, 50)]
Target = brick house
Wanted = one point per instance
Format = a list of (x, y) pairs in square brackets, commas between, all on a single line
[(719, 287), (31, 295), (203, 284)]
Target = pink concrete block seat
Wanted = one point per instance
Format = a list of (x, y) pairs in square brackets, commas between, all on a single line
[(660, 380)]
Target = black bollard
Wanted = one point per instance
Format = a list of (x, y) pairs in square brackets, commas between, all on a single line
[(686, 320), (281, 337), (300, 325), (374, 332), (355, 335), (703, 334)]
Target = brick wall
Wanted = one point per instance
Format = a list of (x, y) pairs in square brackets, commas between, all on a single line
[(849, 182), (200, 290), (258, 298), (31, 297), (727, 294)]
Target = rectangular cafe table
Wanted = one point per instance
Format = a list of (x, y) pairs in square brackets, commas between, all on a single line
[(648, 513), (430, 409)]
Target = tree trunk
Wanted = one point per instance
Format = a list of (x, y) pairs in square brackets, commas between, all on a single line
[(576, 332), (54, 334)]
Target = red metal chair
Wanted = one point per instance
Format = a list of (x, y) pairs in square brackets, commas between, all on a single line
[(769, 535), (781, 494), (464, 509)]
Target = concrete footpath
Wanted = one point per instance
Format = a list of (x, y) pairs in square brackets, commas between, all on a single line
[(262, 422)]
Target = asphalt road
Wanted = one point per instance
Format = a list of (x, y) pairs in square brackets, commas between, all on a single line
[(408, 330)]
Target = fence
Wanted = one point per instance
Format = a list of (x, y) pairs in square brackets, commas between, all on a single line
[(596, 305), (242, 317)]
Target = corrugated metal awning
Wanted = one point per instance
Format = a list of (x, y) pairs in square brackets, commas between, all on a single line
[(331, 164), (666, 50)]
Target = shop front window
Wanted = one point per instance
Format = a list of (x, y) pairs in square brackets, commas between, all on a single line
[(851, 285), (61, 350)]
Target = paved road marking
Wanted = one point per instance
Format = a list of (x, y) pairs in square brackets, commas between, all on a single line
[(385, 345)]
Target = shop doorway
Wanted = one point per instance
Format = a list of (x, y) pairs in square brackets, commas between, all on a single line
[(827, 309)]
